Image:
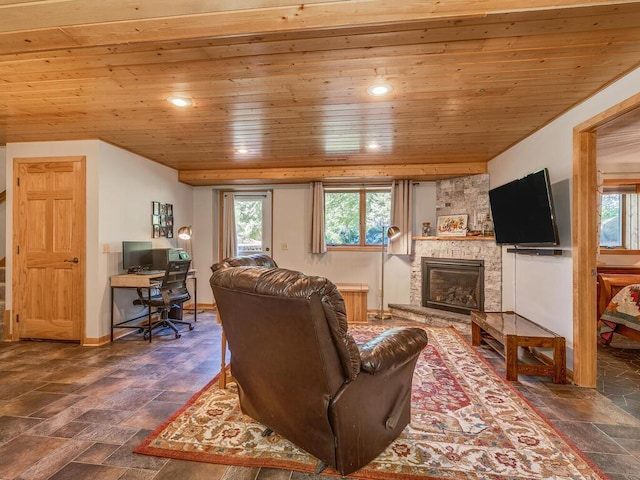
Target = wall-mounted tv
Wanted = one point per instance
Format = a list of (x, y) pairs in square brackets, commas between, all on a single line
[(523, 212)]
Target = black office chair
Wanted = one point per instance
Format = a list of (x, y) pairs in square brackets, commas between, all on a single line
[(169, 297)]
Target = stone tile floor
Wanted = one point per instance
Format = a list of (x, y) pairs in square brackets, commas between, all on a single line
[(70, 412)]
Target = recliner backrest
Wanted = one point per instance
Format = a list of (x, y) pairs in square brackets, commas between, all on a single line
[(255, 260), (280, 282)]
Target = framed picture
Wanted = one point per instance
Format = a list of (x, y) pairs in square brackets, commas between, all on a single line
[(162, 219), (452, 225)]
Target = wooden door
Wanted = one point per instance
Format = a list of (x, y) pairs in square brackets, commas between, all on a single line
[(49, 248)]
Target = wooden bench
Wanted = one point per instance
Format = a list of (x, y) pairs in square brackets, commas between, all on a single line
[(506, 331)]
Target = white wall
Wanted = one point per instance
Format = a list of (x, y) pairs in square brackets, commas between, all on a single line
[(205, 238), (88, 149), (291, 226), (127, 184), (541, 288), (120, 189)]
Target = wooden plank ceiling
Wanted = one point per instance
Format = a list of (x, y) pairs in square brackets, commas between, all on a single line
[(287, 82)]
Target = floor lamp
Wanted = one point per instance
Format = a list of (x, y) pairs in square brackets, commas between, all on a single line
[(391, 233)]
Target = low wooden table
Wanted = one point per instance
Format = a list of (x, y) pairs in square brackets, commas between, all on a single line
[(506, 331)]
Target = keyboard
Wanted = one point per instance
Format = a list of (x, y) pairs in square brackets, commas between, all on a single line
[(149, 272)]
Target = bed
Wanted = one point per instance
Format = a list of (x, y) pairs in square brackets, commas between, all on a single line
[(621, 312)]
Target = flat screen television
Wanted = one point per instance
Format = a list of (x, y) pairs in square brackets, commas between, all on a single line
[(136, 256), (523, 212)]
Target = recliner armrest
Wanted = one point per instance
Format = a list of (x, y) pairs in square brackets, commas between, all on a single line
[(392, 348)]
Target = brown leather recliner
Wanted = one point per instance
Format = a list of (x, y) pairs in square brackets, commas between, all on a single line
[(301, 374), (256, 260)]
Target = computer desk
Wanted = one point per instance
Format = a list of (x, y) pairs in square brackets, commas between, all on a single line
[(148, 282)]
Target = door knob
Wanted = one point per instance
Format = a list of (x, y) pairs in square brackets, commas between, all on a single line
[(73, 260)]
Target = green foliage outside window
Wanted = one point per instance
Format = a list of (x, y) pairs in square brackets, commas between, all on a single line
[(610, 220), (248, 221), (343, 222)]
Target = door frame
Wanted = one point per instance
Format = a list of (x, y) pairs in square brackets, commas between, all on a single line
[(81, 225), (584, 242), (221, 194)]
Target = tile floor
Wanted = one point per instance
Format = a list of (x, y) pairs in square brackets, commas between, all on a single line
[(68, 412)]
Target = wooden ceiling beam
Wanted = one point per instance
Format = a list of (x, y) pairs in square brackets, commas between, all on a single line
[(333, 173), (40, 26)]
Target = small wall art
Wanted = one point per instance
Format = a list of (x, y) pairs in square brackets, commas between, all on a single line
[(452, 225), (161, 220)]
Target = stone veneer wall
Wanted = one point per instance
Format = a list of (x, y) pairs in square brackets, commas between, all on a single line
[(468, 249), (462, 195)]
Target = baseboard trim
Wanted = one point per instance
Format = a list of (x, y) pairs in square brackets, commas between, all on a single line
[(201, 306), (96, 342), (6, 320)]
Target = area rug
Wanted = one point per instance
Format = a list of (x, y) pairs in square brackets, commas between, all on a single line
[(466, 423)]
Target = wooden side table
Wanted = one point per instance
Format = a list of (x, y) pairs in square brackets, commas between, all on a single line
[(355, 301), (506, 331)]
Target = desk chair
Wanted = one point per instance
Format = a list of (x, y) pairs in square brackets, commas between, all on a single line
[(171, 294)]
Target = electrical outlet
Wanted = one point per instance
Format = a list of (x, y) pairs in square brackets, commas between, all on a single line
[(284, 246), (106, 248)]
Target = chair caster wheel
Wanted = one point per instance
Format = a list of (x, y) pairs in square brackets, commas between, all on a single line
[(178, 335), (191, 327), (146, 336)]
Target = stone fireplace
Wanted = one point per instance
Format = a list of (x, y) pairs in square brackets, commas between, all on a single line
[(460, 195), (452, 284), (467, 250)]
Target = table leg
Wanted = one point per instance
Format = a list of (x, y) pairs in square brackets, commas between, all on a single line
[(476, 337), (559, 360), (149, 303), (112, 314), (511, 357)]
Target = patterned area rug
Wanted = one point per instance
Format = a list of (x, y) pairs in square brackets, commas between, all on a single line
[(467, 423)]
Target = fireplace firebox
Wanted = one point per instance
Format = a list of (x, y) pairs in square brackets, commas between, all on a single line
[(452, 284)]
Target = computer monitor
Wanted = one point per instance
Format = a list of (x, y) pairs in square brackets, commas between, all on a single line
[(136, 256)]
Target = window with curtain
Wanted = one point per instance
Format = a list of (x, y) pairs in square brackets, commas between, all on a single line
[(356, 217)]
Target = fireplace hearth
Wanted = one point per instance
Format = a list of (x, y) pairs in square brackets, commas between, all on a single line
[(456, 285)]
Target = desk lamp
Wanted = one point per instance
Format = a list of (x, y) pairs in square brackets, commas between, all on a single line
[(393, 232), (185, 233)]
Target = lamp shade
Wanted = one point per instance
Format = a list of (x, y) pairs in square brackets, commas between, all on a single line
[(185, 233), (393, 232)]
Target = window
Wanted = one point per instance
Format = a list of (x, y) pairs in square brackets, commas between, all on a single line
[(356, 217), (611, 220), (619, 219), (252, 226)]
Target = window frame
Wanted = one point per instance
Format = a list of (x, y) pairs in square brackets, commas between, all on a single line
[(622, 187), (362, 190)]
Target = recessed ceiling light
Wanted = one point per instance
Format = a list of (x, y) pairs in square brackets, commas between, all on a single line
[(179, 101), (242, 150), (379, 89), (372, 146)]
